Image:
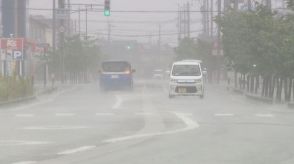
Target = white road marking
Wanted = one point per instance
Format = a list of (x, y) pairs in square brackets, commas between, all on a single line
[(76, 150), (144, 114), (267, 115), (22, 143), (190, 125), (104, 114), (25, 162), (65, 114), (117, 103), (224, 114), (55, 128), (24, 115)]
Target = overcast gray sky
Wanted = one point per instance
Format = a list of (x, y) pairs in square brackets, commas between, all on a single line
[(97, 20)]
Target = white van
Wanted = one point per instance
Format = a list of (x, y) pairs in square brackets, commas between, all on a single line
[(186, 79)]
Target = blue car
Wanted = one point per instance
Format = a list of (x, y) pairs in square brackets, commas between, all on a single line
[(116, 75)]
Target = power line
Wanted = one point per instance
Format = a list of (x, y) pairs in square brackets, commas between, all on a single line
[(147, 35), (118, 11)]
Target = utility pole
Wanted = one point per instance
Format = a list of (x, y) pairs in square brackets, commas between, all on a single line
[(269, 4), (204, 9), (61, 7), (188, 20), (79, 21), (54, 26), (249, 5), (179, 23), (236, 4), (207, 15), (159, 37), (86, 23), (219, 8), (211, 17), (69, 27), (16, 18)]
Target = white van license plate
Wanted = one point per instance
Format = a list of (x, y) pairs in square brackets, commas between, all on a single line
[(114, 76), (182, 90)]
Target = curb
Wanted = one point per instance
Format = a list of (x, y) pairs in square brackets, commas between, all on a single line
[(258, 98), (238, 91), (291, 105), (27, 99), (47, 91), (18, 100)]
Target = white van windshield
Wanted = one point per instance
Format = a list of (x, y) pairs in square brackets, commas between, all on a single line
[(186, 70)]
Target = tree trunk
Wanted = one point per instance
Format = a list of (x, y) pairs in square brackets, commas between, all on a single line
[(286, 89), (248, 83), (236, 79), (256, 85), (279, 90), (252, 82), (273, 87), (263, 87), (266, 84), (290, 89)]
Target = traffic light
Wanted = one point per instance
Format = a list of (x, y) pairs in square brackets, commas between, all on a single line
[(107, 8)]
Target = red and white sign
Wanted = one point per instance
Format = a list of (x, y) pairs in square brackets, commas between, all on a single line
[(12, 44)]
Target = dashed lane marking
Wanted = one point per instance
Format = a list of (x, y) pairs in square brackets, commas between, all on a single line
[(25, 162), (224, 114), (190, 125), (22, 143), (266, 115), (117, 103), (65, 114), (76, 150), (144, 114), (104, 114), (55, 128), (24, 115)]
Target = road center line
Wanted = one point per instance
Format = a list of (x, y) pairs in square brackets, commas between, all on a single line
[(267, 115), (24, 115), (224, 115), (104, 114), (76, 150), (65, 114), (190, 125), (143, 114), (117, 103), (25, 162), (22, 143), (55, 128)]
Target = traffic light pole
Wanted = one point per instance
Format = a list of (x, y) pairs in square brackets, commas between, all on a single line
[(61, 6), (86, 37), (54, 26)]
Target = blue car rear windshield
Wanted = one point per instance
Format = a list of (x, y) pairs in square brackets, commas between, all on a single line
[(116, 66)]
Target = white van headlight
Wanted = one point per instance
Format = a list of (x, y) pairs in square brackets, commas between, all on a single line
[(198, 81), (173, 80)]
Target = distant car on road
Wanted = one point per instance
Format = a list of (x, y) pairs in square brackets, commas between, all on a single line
[(186, 79), (116, 75)]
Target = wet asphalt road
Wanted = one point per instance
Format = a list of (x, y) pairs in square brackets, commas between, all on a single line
[(81, 125)]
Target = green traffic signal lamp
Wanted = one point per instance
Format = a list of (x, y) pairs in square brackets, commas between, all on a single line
[(107, 13), (107, 8)]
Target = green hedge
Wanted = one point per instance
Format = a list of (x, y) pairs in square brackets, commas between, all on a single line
[(12, 88)]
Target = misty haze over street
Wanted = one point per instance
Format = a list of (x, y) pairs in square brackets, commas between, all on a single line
[(146, 82)]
